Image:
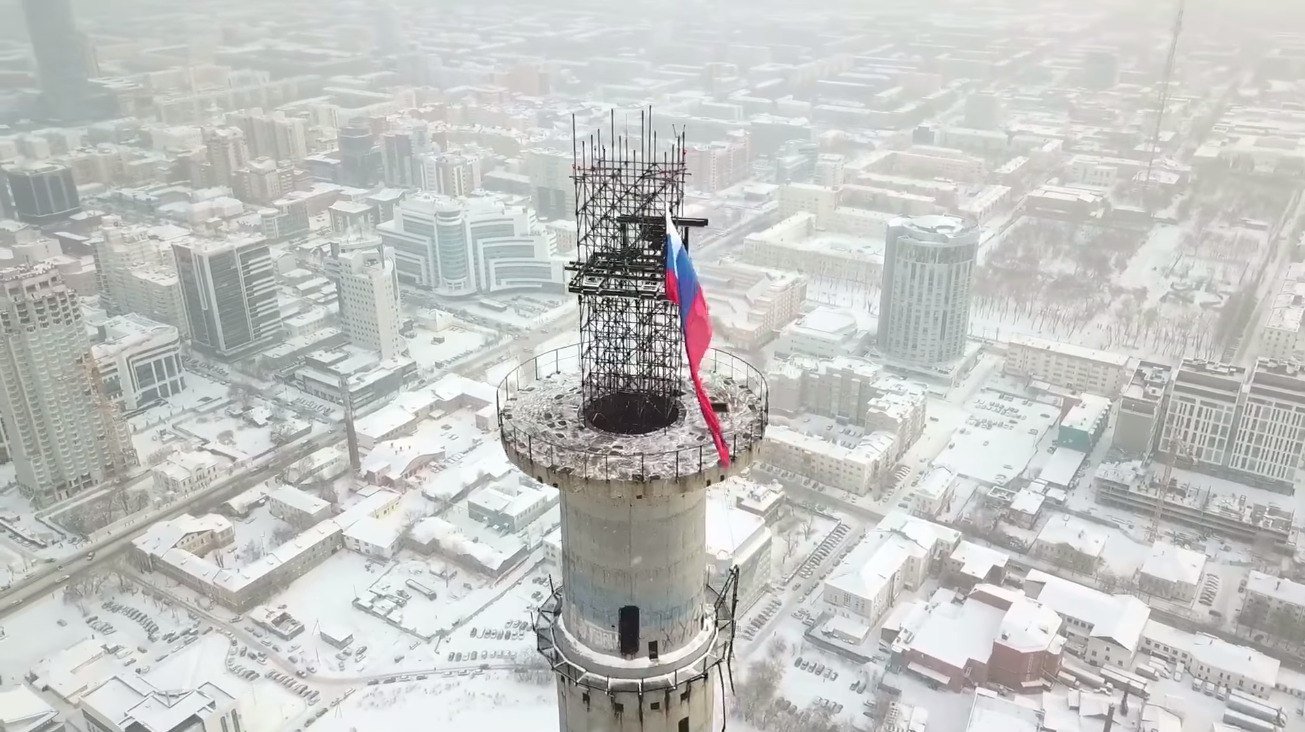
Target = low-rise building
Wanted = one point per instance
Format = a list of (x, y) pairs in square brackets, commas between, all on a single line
[(1102, 629), (435, 534), (933, 493), (1271, 600), (860, 468), (1172, 572), (129, 703), (1083, 424), (766, 501), (973, 564), (738, 539), (373, 537), (296, 507), (192, 470), (1072, 543), (511, 504), (897, 555), (139, 361), (1026, 507), (1066, 365), (1213, 659), (994, 636), (22, 710)]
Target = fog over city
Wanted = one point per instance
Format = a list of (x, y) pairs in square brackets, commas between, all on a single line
[(652, 366)]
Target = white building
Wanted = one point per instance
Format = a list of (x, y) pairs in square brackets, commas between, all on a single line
[(373, 537), (750, 305), (1200, 420), (1267, 597), (924, 304), (860, 469), (229, 291), (468, 246), (512, 503), (1171, 571), (61, 434), (897, 555), (1271, 430), (1071, 542), (1066, 365), (22, 710), (1102, 629), (1212, 659), (933, 493), (129, 703), (825, 333), (296, 507), (738, 538), (134, 272), (368, 295), (184, 472), (139, 361)]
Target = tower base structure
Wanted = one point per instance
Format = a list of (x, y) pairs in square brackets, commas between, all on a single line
[(633, 510)]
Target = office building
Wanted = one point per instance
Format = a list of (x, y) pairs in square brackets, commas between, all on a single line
[(225, 153), (42, 193), (1271, 429), (229, 293), (450, 174), (402, 151), (64, 61), (924, 305), (263, 180), (139, 361), (360, 158), (551, 189), (1140, 410), (463, 247), (62, 435), (367, 289), (273, 136), (1201, 417)]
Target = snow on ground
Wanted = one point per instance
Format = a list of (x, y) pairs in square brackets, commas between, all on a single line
[(255, 534), (236, 436), (999, 439), (265, 706), (479, 701)]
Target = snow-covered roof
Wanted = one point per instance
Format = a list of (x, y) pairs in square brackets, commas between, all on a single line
[(1234, 659), (481, 464), (131, 702), (1282, 590), (956, 633), (1061, 466), (935, 484), (21, 709), (879, 557), (1119, 618), (1070, 349), (1084, 416), (1027, 502), (298, 500), (731, 531), (1174, 564), (453, 540), (977, 560), (991, 713), (1079, 535), (370, 531)]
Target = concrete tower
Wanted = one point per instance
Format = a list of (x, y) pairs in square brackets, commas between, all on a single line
[(62, 437), (634, 633), (924, 302), (367, 290)]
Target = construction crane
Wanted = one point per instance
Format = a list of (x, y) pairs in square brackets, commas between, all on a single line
[(1181, 450), (1163, 104), (121, 456)]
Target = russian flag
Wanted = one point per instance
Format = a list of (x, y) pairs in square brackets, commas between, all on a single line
[(682, 288)]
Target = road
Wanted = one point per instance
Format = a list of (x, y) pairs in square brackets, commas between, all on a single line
[(1247, 346), (54, 575)]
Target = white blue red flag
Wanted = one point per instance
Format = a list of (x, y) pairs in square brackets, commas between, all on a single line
[(682, 288)]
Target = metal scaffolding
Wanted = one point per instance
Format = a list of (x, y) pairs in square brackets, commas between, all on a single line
[(632, 352)]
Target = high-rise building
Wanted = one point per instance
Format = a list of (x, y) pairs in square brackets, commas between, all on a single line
[(360, 159), (263, 180), (64, 61), (229, 291), (450, 174), (63, 434), (461, 247), (367, 290), (924, 303), (274, 135), (552, 192), (42, 193), (134, 273), (226, 153), (402, 150)]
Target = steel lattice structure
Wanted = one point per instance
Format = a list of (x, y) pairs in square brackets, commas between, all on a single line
[(630, 342)]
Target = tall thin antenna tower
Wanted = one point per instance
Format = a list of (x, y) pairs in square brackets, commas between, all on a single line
[(1162, 104)]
